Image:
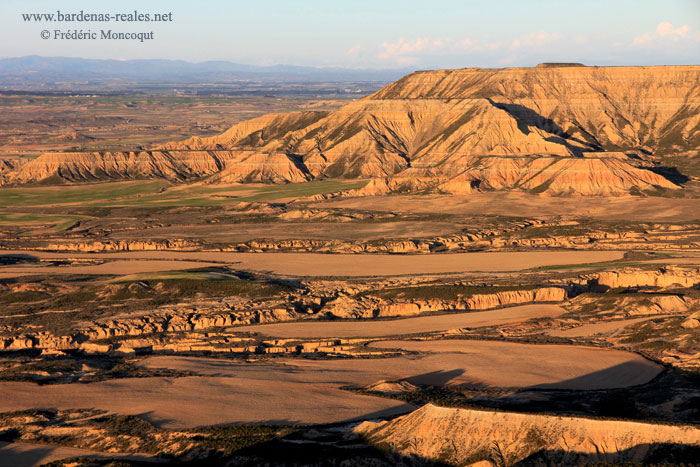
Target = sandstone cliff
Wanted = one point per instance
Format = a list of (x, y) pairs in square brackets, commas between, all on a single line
[(229, 167), (218, 315), (370, 307), (85, 166), (464, 437), (122, 245), (663, 277)]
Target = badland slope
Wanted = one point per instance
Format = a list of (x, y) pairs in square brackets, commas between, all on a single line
[(556, 130), (464, 437)]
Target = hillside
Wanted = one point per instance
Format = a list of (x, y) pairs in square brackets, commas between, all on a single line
[(555, 130), (231, 166), (464, 437)]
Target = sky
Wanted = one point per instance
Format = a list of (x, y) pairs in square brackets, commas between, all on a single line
[(379, 34)]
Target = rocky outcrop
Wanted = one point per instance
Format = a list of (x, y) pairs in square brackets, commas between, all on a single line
[(692, 322), (464, 437), (663, 277), (514, 297), (84, 338), (10, 164), (391, 388), (370, 307), (254, 132), (263, 168), (229, 167), (345, 306), (121, 245), (166, 320), (634, 305)]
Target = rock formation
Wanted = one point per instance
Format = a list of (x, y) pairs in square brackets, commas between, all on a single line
[(342, 305), (465, 437), (229, 167), (664, 277), (9, 165), (369, 307), (555, 130), (122, 245)]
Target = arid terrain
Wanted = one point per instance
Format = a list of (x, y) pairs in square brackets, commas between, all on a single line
[(485, 267)]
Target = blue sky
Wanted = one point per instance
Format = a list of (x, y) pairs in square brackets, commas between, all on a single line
[(379, 33)]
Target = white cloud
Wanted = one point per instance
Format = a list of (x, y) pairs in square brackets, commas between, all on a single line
[(665, 43), (355, 50), (643, 39), (404, 48), (534, 40), (467, 44), (409, 51), (665, 29), (665, 32)]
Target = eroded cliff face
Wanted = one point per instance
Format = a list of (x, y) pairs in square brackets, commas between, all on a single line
[(369, 307), (466, 437), (558, 130), (549, 175), (167, 320), (441, 116), (9, 165), (664, 277), (459, 130), (229, 166)]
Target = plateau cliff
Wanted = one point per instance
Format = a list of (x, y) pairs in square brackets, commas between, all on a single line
[(554, 130)]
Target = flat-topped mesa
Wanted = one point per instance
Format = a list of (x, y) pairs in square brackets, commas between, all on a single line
[(558, 64), (458, 124), (445, 122)]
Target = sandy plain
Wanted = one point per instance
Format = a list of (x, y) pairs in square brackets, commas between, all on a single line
[(318, 264), (393, 327), (509, 364), (308, 391), (111, 267), (525, 204)]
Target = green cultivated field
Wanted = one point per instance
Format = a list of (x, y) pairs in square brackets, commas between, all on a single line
[(161, 193), (60, 222), (78, 194)]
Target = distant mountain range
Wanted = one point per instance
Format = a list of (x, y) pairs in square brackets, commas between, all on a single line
[(51, 70)]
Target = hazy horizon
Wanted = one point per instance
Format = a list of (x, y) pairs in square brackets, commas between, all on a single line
[(339, 67), (366, 35)]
